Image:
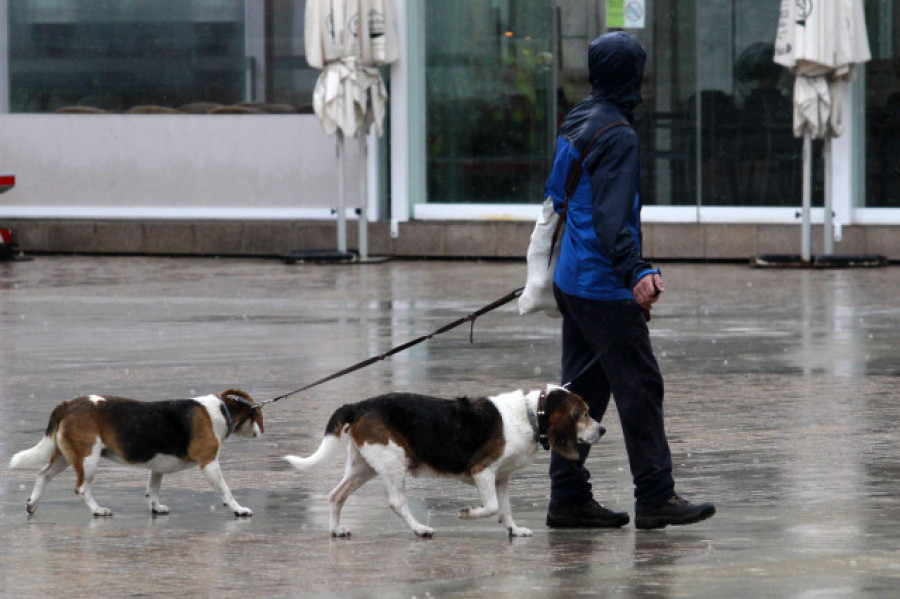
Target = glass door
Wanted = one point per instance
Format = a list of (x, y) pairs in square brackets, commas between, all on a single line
[(490, 98), (882, 100), (716, 123)]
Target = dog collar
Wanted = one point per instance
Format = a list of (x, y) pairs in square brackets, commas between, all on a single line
[(232, 426), (227, 413), (539, 422)]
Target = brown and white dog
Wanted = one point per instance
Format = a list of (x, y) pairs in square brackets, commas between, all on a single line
[(164, 436), (479, 441)]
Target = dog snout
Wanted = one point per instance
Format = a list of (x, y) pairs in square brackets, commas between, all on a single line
[(592, 433)]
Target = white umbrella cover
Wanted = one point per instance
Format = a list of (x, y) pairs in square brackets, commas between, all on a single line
[(820, 41), (820, 38), (348, 40), (350, 98), (332, 31)]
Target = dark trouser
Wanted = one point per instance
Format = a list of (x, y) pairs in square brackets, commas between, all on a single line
[(614, 332)]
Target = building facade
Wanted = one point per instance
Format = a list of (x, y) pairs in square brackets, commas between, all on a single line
[(185, 126)]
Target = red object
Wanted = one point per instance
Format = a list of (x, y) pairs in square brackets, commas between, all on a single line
[(6, 237), (7, 182)]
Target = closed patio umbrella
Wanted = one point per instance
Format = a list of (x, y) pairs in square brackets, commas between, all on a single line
[(349, 40), (820, 41)]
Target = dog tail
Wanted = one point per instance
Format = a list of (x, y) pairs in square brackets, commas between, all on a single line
[(339, 421), (43, 452)]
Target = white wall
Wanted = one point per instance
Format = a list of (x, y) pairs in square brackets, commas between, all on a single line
[(171, 166)]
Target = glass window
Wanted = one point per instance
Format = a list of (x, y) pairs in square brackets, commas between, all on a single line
[(716, 122), (882, 91), (490, 95), (713, 95), (289, 79), (145, 55)]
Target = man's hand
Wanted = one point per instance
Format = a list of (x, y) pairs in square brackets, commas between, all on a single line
[(647, 291)]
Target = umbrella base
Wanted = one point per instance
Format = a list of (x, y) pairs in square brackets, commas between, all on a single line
[(824, 261), (319, 257), (330, 257)]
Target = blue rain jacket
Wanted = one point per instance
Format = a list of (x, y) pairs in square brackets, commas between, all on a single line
[(600, 254)]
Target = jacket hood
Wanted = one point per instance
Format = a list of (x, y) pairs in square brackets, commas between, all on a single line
[(616, 68)]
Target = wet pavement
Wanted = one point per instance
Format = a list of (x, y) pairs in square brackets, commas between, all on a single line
[(783, 400)]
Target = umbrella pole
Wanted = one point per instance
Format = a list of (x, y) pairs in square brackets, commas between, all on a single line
[(363, 226), (341, 213), (807, 193)]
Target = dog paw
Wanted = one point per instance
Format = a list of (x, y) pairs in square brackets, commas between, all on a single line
[(520, 531), (241, 511), (341, 533), (158, 508), (30, 507), (465, 513), (102, 512), (424, 532)]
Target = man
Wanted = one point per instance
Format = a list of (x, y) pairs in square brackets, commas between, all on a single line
[(605, 291)]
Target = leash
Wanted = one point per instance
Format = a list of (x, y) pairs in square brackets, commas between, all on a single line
[(369, 361)]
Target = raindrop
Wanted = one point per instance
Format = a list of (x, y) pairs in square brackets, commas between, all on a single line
[(725, 363), (537, 370)]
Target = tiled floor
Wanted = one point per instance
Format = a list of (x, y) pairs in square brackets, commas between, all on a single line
[(783, 401)]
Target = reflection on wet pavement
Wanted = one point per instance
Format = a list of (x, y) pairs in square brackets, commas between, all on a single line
[(782, 408)]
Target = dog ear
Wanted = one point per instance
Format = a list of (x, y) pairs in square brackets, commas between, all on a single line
[(258, 419), (237, 396), (562, 420), (565, 444)]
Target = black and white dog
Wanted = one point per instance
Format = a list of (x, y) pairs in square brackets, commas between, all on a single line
[(479, 441), (163, 436)]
